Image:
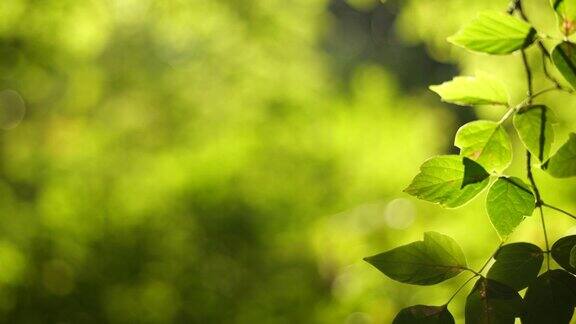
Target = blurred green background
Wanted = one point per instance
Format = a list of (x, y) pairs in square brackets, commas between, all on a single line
[(232, 161)]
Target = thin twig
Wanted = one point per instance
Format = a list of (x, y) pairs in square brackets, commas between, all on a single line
[(491, 257), (539, 203), (528, 75), (460, 288), (559, 210), (545, 236)]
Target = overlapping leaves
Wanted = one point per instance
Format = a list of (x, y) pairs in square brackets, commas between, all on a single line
[(449, 180), (485, 148)]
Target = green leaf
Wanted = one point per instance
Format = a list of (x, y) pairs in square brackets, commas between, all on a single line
[(509, 200), (534, 126), (485, 142), (433, 260), (517, 265), (449, 180), (566, 14), (422, 314), (550, 298), (564, 58), (561, 252), (471, 91), (563, 163), (495, 33), (492, 302), (573, 257)]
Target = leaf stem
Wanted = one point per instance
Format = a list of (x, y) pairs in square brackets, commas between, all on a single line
[(539, 203), (559, 210), (461, 286), (545, 236), (491, 257), (528, 76)]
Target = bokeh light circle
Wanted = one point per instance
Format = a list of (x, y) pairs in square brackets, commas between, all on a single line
[(12, 109)]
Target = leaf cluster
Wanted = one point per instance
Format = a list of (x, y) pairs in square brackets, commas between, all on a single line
[(485, 154)]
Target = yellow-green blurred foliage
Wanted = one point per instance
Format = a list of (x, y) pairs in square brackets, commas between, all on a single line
[(231, 161)]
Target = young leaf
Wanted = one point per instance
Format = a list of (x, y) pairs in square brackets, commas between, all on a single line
[(566, 14), (485, 142), (428, 262), (495, 33), (563, 163), (422, 314), (509, 200), (534, 126), (492, 302), (561, 252), (564, 58), (449, 180), (471, 91), (517, 265), (550, 298)]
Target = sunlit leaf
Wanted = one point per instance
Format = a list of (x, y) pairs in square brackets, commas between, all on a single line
[(550, 298), (509, 200), (449, 180), (563, 163), (534, 126), (564, 58), (495, 33), (492, 302), (566, 14), (422, 314), (469, 91), (433, 260), (487, 143), (517, 265), (562, 250)]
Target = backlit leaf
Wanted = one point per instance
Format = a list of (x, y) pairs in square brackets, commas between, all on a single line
[(566, 14), (563, 163), (449, 180), (509, 200), (487, 143), (435, 259), (564, 58), (469, 91), (534, 126), (495, 33)]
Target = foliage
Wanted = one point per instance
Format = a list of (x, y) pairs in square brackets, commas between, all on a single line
[(485, 151)]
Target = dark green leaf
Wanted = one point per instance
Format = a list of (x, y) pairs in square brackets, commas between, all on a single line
[(449, 180), (433, 260), (509, 200), (534, 126), (564, 58), (485, 142), (470, 91), (422, 314), (561, 251), (517, 265), (495, 33), (550, 298), (491, 302), (563, 163)]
